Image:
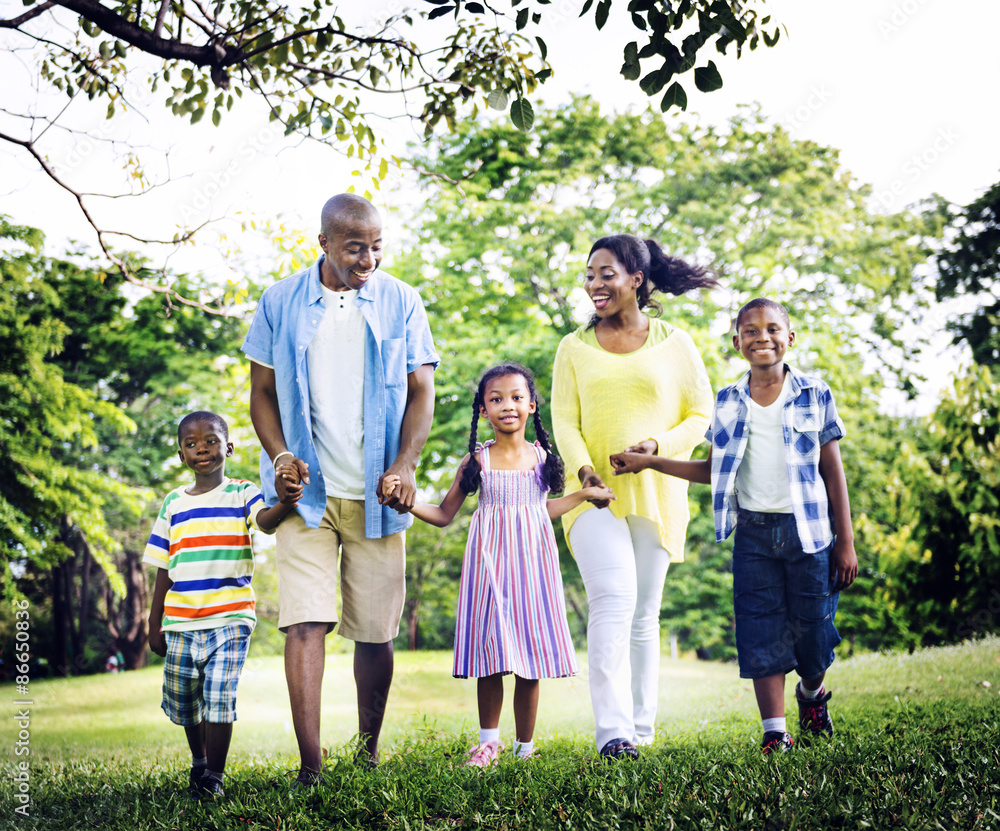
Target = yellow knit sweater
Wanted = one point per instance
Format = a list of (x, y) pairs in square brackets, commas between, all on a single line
[(603, 402)]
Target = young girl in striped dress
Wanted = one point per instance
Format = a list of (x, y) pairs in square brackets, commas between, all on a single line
[(511, 613)]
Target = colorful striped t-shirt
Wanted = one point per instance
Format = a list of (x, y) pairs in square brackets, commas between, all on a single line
[(204, 543)]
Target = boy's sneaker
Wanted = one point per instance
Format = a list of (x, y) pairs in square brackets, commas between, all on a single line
[(775, 741), (209, 786), (194, 779), (485, 754), (814, 715)]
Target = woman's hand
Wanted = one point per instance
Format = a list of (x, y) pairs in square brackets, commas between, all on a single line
[(590, 478), (635, 458)]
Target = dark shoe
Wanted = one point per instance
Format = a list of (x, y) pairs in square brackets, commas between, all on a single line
[(194, 780), (776, 742), (814, 715), (307, 779), (619, 749), (209, 787)]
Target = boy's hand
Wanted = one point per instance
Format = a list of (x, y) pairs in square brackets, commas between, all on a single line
[(157, 642), (843, 564), (635, 458), (288, 479), (629, 461)]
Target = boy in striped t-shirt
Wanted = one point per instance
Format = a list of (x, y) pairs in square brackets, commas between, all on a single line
[(202, 611)]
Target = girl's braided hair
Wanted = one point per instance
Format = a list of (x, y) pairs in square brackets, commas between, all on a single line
[(552, 471)]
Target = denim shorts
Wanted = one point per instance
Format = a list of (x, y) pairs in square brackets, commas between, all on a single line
[(783, 598), (201, 673)]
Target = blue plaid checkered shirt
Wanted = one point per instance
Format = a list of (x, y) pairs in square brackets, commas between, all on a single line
[(808, 421)]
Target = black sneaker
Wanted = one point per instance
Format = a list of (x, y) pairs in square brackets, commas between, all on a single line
[(814, 715), (307, 779), (776, 741), (194, 779), (210, 787)]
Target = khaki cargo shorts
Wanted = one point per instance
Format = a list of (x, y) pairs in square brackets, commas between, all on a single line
[(372, 573)]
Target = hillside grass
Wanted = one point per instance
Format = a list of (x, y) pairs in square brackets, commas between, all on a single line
[(917, 746)]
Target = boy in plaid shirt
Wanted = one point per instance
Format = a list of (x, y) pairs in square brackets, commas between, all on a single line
[(777, 478), (202, 610)]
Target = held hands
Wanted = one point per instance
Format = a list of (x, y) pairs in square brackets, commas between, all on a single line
[(590, 479), (288, 479), (635, 458), (390, 484), (157, 643), (400, 492), (598, 493)]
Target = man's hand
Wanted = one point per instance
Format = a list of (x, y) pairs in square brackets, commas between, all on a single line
[(402, 493), (289, 479)]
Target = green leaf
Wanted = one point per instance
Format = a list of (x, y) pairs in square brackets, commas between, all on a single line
[(522, 114), (771, 41), (497, 99), (674, 97), (542, 48), (522, 19), (198, 114), (383, 169), (440, 11), (586, 7), (707, 78), (475, 8), (105, 50), (601, 14), (631, 69), (216, 116)]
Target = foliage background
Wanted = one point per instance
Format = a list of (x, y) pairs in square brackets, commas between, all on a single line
[(96, 373)]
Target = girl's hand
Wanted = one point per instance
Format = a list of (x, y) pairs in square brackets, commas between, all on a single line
[(598, 493), (590, 478), (390, 483)]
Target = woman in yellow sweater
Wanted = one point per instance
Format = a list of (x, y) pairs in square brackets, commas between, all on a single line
[(627, 380)]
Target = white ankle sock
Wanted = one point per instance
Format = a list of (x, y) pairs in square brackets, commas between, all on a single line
[(489, 735), (522, 749), (808, 694), (775, 725)]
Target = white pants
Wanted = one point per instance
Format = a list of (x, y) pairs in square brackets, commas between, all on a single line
[(623, 566)]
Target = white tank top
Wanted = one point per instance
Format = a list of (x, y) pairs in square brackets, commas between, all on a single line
[(762, 478)]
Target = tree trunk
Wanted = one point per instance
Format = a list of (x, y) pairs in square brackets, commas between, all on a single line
[(133, 620), (60, 624)]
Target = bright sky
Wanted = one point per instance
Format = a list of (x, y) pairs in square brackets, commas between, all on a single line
[(906, 89)]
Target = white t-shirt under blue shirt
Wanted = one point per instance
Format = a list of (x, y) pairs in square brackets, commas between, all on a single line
[(336, 365), (762, 478)]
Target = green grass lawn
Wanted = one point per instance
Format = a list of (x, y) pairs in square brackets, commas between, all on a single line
[(917, 746)]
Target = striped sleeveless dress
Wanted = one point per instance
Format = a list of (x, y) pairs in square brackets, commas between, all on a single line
[(511, 610)]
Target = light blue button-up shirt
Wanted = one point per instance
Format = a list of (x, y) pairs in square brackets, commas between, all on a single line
[(398, 341)]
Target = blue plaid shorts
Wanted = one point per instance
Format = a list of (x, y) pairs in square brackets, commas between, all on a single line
[(201, 672)]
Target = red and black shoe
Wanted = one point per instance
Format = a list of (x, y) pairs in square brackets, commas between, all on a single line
[(776, 741), (814, 715)]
